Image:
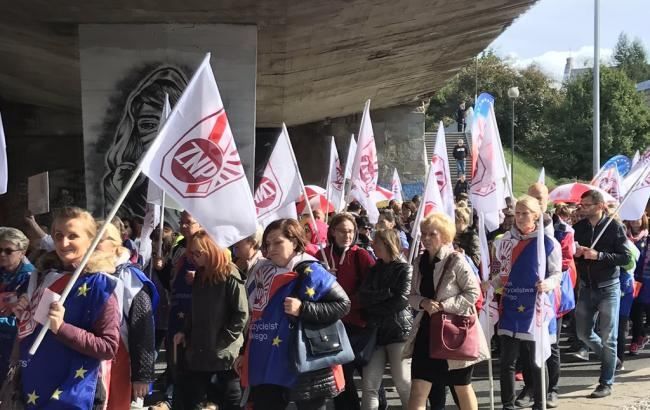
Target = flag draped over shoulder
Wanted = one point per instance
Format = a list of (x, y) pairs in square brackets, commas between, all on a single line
[(365, 170), (195, 160), (488, 167), (441, 173), (279, 188), (268, 356), (335, 179)]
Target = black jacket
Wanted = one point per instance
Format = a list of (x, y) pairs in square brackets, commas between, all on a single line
[(611, 248), (384, 297), (142, 347), (460, 151), (328, 309), (462, 187), (469, 243)]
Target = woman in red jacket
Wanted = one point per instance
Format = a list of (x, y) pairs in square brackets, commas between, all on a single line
[(350, 264)]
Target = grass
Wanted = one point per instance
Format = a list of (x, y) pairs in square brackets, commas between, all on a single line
[(526, 173)]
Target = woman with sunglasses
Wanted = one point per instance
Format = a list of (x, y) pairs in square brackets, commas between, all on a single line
[(14, 275)]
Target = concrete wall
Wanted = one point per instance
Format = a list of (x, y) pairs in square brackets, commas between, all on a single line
[(126, 71), (399, 136)]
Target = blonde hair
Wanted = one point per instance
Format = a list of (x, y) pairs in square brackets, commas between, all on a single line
[(530, 203), (391, 241), (462, 215), (114, 236), (442, 223)]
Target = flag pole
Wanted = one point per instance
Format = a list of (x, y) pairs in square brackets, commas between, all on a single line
[(304, 192), (160, 233), (116, 206), (418, 217), (329, 179), (485, 275), (640, 178)]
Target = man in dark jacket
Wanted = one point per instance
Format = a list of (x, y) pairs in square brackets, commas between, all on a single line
[(460, 117), (462, 186), (460, 153), (598, 267)]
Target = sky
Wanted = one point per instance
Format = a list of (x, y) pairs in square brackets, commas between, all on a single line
[(553, 30)]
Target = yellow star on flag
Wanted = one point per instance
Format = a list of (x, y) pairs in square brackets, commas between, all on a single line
[(308, 270), (56, 394), (310, 292), (276, 341), (32, 397), (80, 373), (521, 308), (83, 290)]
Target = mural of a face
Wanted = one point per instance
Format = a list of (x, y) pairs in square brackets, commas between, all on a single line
[(136, 130)]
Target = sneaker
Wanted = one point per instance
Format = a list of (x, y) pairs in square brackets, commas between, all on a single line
[(619, 365), (582, 354), (161, 405), (551, 400), (519, 377), (634, 349), (601, 391), (524, 399)]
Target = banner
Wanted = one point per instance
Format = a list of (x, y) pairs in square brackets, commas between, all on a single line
[(279, 189), (396, 187), (195, 160), (365, 170), (440, 165), (38, 193), (488, 186), (335, 179)]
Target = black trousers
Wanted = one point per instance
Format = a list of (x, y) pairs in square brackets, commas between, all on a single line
[(552, 364), (272, 397), (623, 326), (197, 388), (636, 316), (511, 349)]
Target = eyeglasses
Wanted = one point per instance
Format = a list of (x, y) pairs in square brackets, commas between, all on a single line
[(583, 205), (8, 251)]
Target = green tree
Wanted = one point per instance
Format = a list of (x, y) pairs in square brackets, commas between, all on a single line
[(631, 58), (624, 119)]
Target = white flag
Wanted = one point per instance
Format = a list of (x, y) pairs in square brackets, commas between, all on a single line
[(431, 201), (487, 191), (365, 170), (154, 193), (636, 158), (194, 160), (396, 187), (4, 171), (543, 309), (349, 161), (279, 189), (150, 223), (440, 165), (335, 179), (542, 176), (637, 186), (609, 180)]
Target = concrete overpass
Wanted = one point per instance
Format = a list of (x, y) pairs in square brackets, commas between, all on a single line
[(315, 63)]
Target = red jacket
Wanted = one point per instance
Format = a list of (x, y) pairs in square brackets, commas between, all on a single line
[(350, 274)]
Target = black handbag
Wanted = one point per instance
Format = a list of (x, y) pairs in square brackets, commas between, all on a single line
[(320, 345)]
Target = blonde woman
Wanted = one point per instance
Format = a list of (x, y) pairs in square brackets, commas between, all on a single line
[(457, 293), (133, 368), (384, 298), (84, 331)]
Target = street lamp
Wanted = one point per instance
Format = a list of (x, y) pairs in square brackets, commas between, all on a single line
[(513, 93)]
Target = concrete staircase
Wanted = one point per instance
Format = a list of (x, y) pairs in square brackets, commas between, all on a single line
[(451, 139)]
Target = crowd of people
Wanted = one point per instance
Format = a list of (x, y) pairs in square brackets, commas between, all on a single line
[(232, 322)]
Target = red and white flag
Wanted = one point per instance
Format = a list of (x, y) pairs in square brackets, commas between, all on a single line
[(279, 189), (488, 187), (195, 161), (542, 176), (609, 180), (637, 185), (440, 165), (396, 187), (335, 179), (365, 170), (349, 160), (431, 200), (636, 158), (544, 313), (4, 172)]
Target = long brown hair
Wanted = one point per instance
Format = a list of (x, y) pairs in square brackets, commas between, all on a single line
[(219, 266)]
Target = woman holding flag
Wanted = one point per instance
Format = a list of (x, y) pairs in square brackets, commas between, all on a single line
[(289, 286), (67, 370), (519, 282)]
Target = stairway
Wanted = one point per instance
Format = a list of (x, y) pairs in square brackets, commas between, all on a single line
[(451, 139)]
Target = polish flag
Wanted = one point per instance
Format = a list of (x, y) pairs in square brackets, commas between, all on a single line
[(365, 170), (195, 161), (279, 189)]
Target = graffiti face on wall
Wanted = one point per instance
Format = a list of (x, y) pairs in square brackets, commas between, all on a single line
[(138, 125)]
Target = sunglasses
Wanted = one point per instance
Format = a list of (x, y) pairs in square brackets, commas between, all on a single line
[(8, 251)]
